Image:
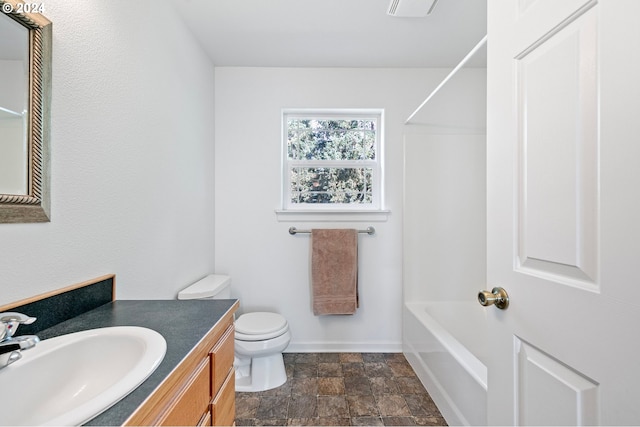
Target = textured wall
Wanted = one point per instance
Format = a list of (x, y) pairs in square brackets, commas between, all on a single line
[(270, 268), (132, 156)]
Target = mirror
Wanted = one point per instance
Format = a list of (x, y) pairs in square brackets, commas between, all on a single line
[(25, 99), (14, 87)]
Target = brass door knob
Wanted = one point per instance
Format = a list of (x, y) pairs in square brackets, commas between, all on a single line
[(498, 297)]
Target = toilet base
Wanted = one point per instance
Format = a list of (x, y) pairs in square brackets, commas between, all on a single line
[(264, 373)]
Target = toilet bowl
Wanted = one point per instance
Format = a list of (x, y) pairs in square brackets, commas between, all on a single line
[(260, 338)]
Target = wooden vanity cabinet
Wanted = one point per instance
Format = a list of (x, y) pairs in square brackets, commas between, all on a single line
[(201, 390), (223, 385), (192, 400)]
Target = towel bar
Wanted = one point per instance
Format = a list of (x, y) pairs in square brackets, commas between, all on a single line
[(293, 230)]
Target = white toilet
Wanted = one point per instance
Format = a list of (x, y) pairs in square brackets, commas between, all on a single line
[(260, 338)]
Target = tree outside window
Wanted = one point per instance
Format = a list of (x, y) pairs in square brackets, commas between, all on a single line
[(332, 160)]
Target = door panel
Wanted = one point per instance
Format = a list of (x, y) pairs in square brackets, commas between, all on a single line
[(545, 385), (558, 150)]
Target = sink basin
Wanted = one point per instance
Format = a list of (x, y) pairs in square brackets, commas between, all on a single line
[(68, 380)]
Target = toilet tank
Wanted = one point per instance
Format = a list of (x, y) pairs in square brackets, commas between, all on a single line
[(213, 286)]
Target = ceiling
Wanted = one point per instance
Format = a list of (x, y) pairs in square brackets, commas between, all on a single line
[(333, 33)]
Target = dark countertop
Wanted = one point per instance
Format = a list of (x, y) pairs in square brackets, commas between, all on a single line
[(182, 323)]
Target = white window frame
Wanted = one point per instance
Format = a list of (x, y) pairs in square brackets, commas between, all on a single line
[(376, 165)]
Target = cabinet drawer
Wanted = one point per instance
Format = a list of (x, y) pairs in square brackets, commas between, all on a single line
[(223, 407), (205, 420), (221, 360), (192, 400)]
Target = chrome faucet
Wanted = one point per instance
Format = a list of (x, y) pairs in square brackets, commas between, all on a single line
[(10, 346)]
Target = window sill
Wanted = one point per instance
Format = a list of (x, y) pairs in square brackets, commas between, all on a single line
[(380, 215)]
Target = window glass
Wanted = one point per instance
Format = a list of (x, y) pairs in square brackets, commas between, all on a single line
[(332, 160)]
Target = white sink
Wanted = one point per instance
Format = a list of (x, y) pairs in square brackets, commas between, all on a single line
[(68, 380)]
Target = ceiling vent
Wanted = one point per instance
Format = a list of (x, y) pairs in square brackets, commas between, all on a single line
[(411, 8)]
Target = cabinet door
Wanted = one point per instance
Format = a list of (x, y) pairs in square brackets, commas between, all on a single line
[(222, 360), (223, 407), (192, 401), (205, 420)]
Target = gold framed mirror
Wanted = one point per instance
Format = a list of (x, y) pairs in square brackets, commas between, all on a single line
[(25, 100)]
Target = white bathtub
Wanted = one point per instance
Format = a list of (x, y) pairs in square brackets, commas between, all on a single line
[(445, 343)]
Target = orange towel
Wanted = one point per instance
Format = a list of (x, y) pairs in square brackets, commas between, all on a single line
[(334, 271)]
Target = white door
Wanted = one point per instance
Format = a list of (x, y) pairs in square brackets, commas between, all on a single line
[(563, 152)]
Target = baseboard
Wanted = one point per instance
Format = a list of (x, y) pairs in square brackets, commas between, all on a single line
[(344, 347)]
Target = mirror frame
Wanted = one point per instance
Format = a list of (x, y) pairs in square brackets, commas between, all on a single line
[(35, 206)]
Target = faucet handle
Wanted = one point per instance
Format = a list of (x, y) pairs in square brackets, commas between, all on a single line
[(10, 316), (11, 320)]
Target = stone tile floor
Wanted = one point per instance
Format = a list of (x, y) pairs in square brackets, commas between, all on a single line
[(341, 389)]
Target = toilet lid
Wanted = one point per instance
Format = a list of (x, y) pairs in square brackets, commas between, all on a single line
[(260, 323)]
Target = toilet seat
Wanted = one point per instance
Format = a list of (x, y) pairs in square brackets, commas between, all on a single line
[(260, 326)]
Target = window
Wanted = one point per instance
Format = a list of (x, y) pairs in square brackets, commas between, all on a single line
[(332, 160)]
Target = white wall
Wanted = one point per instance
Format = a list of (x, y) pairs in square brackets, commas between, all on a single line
[(270, 268), (132, 156), (445, 194)]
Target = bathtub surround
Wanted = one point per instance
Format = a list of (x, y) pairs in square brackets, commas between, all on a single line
[(334, 271), (444, 342), (444, 328)]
